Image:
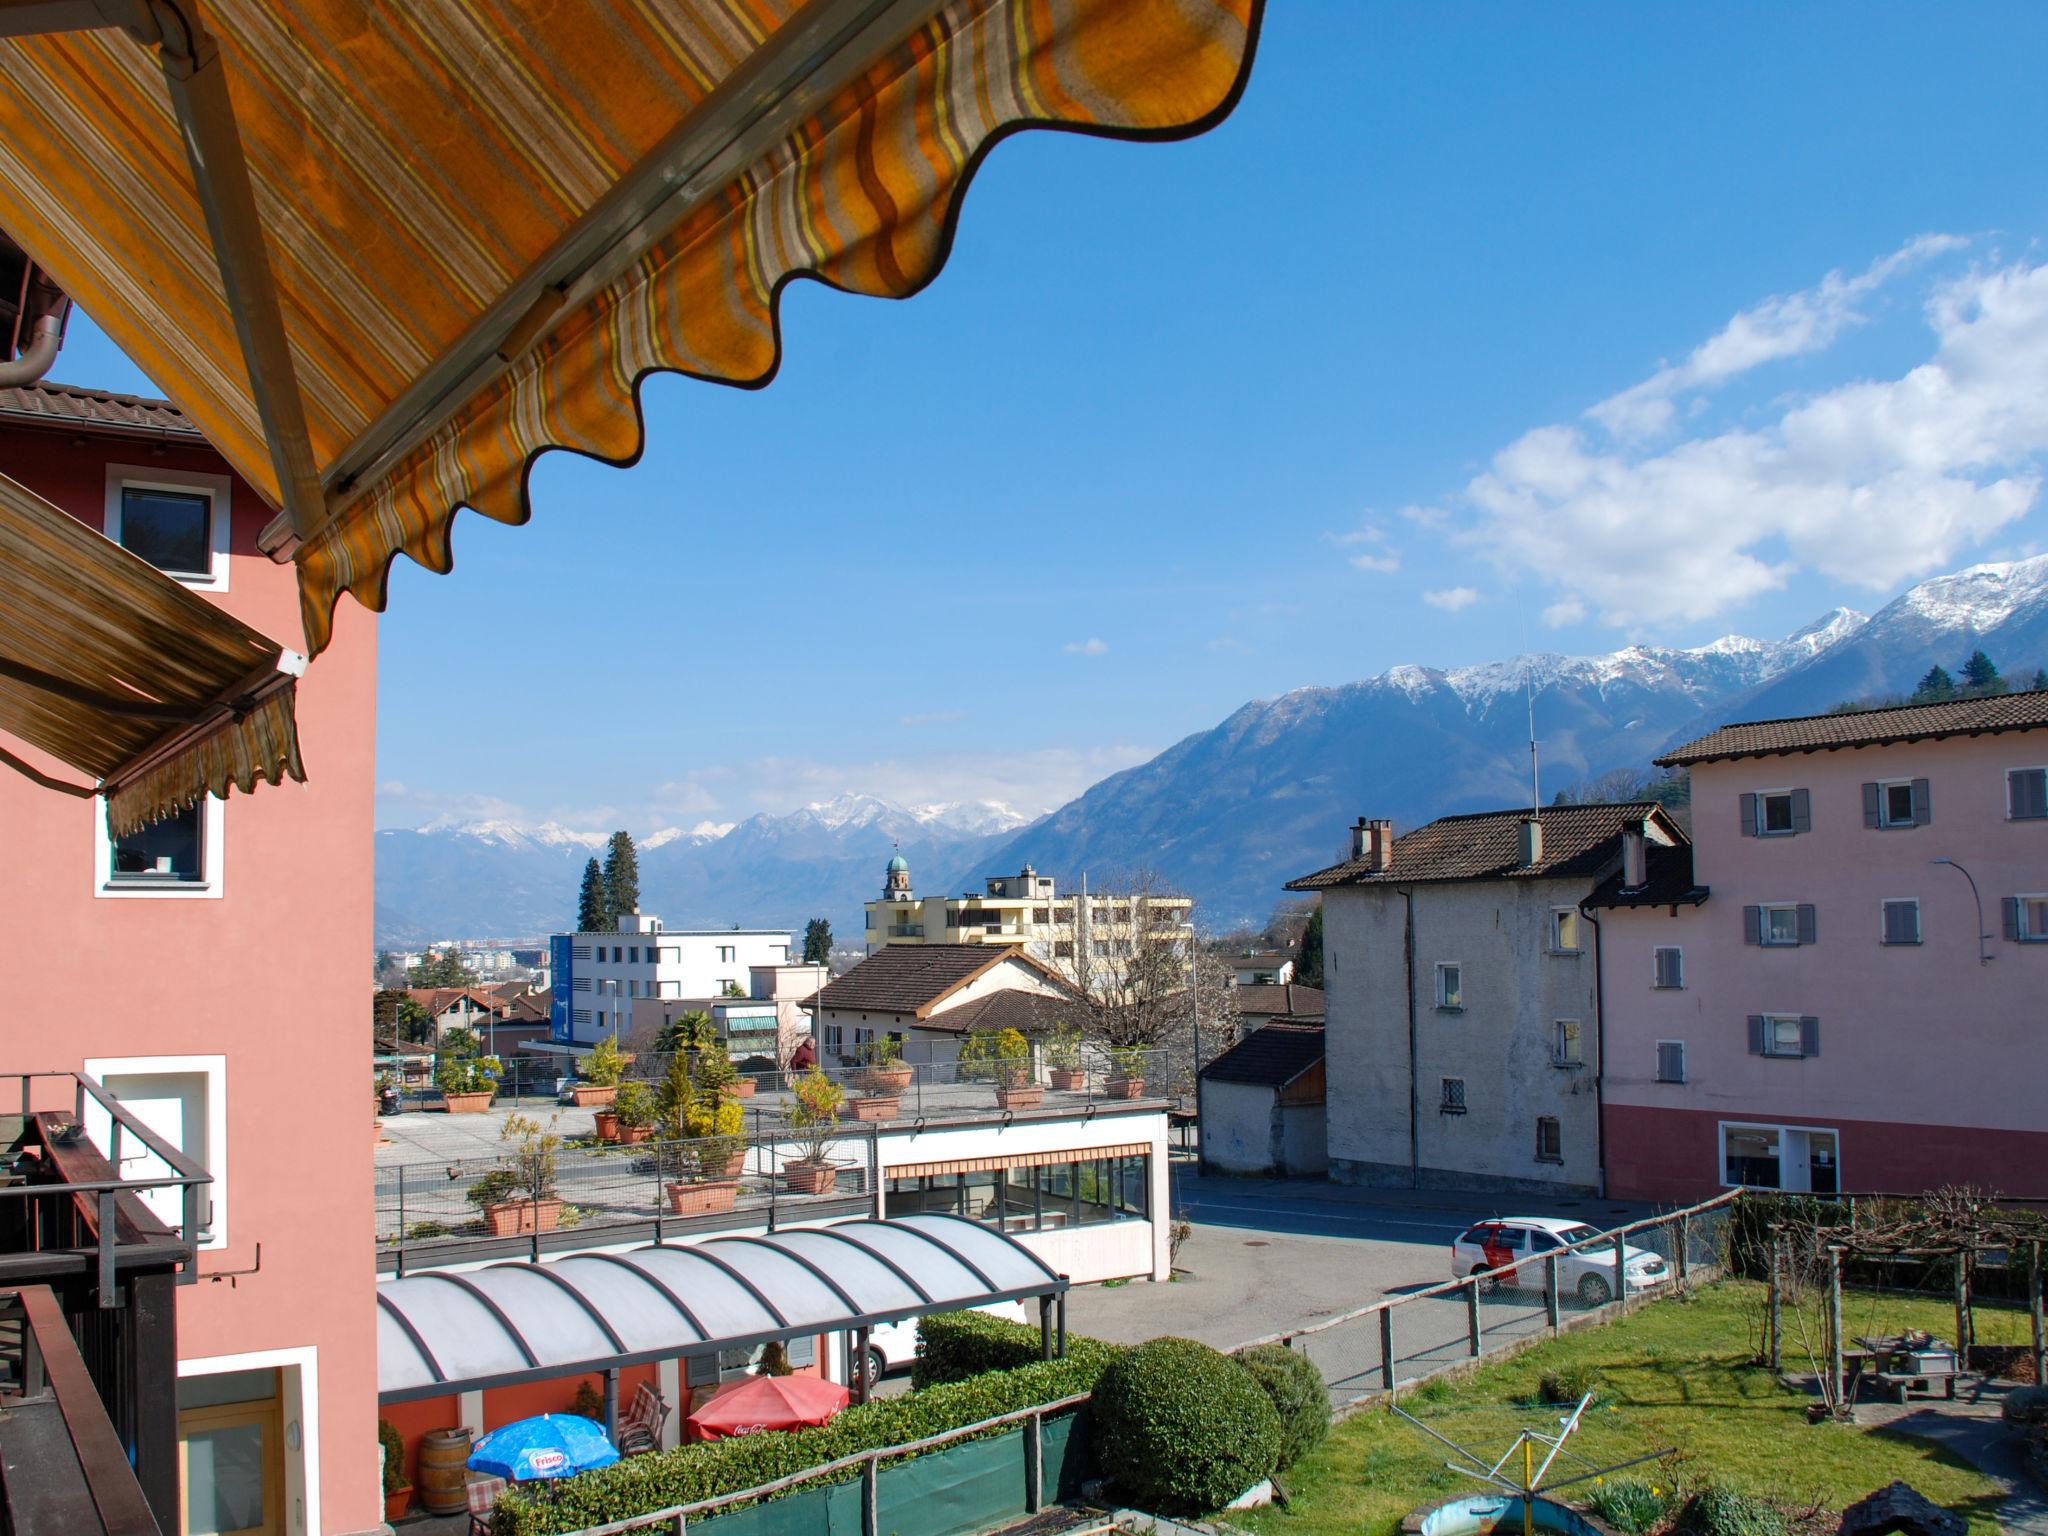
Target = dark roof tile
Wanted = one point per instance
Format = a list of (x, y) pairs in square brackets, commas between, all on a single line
[(1578, 840), (69, 405), (1667, 882), (910, 978), (1866, 728), (1291, 1000), (1271, 1057)]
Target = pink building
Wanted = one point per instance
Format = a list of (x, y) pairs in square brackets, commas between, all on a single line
[(1842, 984), (211, 971)]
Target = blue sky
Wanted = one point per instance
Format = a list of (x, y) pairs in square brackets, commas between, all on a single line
[(1475, 330)]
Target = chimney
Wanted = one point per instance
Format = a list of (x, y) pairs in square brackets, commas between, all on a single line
[(1532, 840), (1358, 839), (1635, 869), (1375, 841)]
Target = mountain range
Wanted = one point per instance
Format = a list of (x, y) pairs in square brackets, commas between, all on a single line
[(1231, 813)]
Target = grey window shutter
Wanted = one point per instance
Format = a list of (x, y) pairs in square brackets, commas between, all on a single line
[(1752, 925), (1749, 815), (1870, 793), (2034, 785), (1802, 811), (803, 1350), (1670, 1062), (1809, 924), (1756, 1034), (1809, 1036), (1923, 803), (1895, 922), (2012, 919)]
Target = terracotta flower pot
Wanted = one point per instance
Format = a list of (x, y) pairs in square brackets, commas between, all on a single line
[(376, 1134), (1069, 1079), (396, 1503), (629, 1135), (705, 1197), (1026, 1096), (516, 1218), (1121, 1087), (467, 1103), (587, 1094), (743, 1088), (606, 1124), (885, 1080), (881, 1106), (731, 1166), (810, 1178)]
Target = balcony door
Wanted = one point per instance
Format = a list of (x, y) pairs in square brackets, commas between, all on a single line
[(231, 1455)]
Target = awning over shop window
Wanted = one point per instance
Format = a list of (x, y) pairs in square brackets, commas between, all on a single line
[(112, 667), (464, 235), (444, 1332)]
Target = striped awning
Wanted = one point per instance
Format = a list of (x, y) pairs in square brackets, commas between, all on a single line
[(384, 255), (112, 667)]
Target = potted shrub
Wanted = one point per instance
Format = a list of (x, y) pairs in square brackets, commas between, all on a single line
[(519, 1196), (1003, 1057), (1063, 1058), (602, 1069), (397, 1491), (711, 1160), (813, 1122), (883, 1069), (1126, 1073), (468, 1083), (632, 1113)]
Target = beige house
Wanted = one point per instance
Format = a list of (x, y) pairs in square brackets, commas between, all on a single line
[(931, 995)]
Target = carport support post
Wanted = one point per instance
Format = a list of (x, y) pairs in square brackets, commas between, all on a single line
[(1060, 1311), (1045, 1327), (1387, 1348), (1550, 1291), (2034, 1307), (611, 1404), (860, 1366), (1472, 1316), (1034, 1463)]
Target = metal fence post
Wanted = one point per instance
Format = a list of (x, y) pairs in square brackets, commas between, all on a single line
[(1472, 1316), (1777, 1321), (1034, 1463), (1620, 1272), (1684, 1254), (870, 1498), (1835, 1329), (1387, 1348), (1550, 1309), (2034, 1310)]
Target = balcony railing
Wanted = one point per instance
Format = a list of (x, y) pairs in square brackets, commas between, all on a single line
[(906, 930)]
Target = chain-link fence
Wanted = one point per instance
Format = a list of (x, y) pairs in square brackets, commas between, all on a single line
[(1380, 1348)]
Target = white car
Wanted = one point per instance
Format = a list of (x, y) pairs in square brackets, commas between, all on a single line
[(894, 1345), (1524, 1242)]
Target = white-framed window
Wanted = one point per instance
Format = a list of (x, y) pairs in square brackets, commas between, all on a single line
[(834, 1039), (175, 519), (183, 1099), (1893, 803), (727, 953), (1670, 1061), (1453, 1101), (1780, 924), (1784, 1034), (1450, 985), (1549, 1139), (1776, 813), (633, 988), (2026, 794), (633, 954), (2026, 919), (1901, 920), (1667, 967), (1564, 931), (1564, 1043), (180, 857), (1795, 1158)]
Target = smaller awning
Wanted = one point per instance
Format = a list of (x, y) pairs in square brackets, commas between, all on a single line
[(112, 667), (444, 1332)]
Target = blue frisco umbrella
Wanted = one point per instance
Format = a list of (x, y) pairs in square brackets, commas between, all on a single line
[(548, 1445)]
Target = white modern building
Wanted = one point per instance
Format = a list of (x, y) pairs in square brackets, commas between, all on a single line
[(598, 976)]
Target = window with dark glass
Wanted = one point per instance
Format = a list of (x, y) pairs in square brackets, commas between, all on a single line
[(168, 853), (170, 529), (1045, 1197)]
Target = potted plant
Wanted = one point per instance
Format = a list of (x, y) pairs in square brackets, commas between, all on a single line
[(1002, 1056), (883, 1069), (632, 1113), (1063, 1058), (602, 1069), (813, 1122), (712, 1157), (1126, 1072), (468, 1083), (397, 1491), (519, 1196)]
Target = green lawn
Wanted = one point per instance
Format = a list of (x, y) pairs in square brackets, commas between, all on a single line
[(1674, 1373)]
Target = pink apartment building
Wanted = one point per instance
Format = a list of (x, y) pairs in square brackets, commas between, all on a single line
[(1806, 997), (211, 972)]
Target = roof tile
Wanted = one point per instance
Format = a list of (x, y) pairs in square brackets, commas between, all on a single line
[(1866, 728), (72, 405), (1271, 1057), (1487, 845)]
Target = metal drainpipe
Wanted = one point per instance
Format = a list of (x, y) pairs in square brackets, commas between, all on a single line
[(1414, 1077), (38, 355), (1600, 1049)]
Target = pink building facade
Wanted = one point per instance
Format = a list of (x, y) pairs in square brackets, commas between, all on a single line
[(1812, 1002), (212, 972)]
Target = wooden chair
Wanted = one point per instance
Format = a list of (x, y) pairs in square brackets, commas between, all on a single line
[(483, 1494), (640, 1425)]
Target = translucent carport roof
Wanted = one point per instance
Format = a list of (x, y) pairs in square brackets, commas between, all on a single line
[(444, 1332)]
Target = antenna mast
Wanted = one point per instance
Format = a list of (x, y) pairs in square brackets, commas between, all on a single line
[(1535, 782)]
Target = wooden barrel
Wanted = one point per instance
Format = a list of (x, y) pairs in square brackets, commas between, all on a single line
[(442, 1475)]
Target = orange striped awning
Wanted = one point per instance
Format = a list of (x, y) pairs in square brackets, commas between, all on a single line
[(384, 255), (1004, 1161)]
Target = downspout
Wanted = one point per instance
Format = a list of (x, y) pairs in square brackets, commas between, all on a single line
[(47, 336), (1414, 1080), (1599, 1048)]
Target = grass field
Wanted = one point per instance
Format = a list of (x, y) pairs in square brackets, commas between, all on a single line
[(1673, 1374)]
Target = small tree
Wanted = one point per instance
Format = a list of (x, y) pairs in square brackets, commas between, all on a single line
[(817, 942), (460, 1041), (446, 969), (1308, 961), (468, 1074), (1980, 675), (533, 1155), (389, 973), (2040, 682), (635, 1105), (1000, 1056), (593, 910), (605, 1064), (1936, 686), (694, 1028), (621, 876), (814, 1117)]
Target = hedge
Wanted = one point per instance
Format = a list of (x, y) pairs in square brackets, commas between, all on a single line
[(1298, 1394), (1180, 1427), (640, 1485), (953, 1346)]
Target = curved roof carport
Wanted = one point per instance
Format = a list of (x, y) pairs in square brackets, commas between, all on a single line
[(441, 1332)]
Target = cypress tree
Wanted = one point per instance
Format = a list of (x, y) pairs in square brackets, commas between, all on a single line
[(1935, 686), (1308, 964), (593, 915), (621, 877), (817, 942), (1980, 675)]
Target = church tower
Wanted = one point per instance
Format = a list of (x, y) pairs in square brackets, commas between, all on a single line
[(897, 886)]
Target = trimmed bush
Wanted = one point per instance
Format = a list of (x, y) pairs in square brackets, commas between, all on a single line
[(1629, 1504), (2026, 1407), (952, 1346), (1180, 1427), (1718, 1511), (639, 1485), (1295, 1387)]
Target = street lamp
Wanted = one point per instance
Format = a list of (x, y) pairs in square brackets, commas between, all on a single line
[(1983, 939)]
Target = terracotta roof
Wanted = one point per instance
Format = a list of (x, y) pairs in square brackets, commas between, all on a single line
[(1578, 840), (1292, 1000), (1271, 1057), (69, 405), (1251, 959), (913, 978), (438, 1000), (1029, 1013), (1866, 728), (1667, 882)]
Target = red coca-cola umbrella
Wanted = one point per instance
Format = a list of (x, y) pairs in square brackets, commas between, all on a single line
[(767, 1402)]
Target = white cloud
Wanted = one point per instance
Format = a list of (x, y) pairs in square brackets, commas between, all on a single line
[(1451, 599), (1784, 325), (1386, 565), (1092, 646), (1563, 612), (1871, 482)]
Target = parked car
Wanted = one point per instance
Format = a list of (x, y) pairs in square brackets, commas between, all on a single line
[(1585, 1267), (894, 1345)]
